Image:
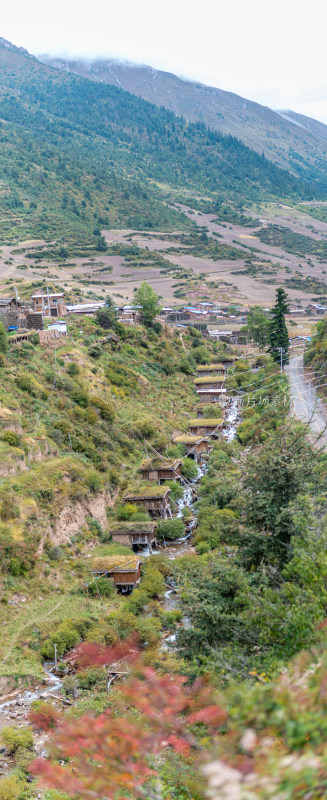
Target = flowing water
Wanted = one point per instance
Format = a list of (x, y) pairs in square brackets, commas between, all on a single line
[(20, 704)]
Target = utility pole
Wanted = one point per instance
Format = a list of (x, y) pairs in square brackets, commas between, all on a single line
[(281, 350)]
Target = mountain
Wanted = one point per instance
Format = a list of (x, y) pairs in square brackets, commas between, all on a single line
[(289, 140), (78, 154)]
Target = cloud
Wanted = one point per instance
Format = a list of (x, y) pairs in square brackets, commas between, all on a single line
[(271, 53)]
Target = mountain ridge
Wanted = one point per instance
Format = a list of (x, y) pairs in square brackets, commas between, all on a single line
[(300, 148)]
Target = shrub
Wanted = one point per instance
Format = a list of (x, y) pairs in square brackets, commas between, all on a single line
[(80, 397), (189, 469), (94, 351), (65, 637), (10, 788), (170, 529), (106, 409), (25, 383), (2, 360), (73, 369), (44, 716), (146, 426), (125, 511), (13, 738), (103, 586), (153, 581), (92, 676), (93, 482), (138, 601), (148, 629), (186, 366), (176, 490), (3, 339)]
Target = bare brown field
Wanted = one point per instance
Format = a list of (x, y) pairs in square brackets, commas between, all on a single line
[(218, 279)]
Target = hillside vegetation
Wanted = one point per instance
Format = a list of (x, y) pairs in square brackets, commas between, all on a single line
[(300, 147), (78, 156)]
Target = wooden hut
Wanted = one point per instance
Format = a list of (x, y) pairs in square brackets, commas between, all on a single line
[(205, 427), (125, 571), (226, 358), (161, 470), (218, 395), (210, 369), (134, 534), (194, 446), (154, 499), (209, 382)]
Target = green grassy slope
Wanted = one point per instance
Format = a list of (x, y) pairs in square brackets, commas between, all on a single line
[(75, 425)]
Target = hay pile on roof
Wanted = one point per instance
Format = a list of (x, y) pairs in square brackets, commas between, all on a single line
[(112, 563), (187, 438), (150, 492), (212, 422), (160, 463), (205, 367), (209, 379), (133, 527)]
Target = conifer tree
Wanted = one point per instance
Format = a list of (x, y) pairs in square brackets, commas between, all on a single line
[(278, 336)]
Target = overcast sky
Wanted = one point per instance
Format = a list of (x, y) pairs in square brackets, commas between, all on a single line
[(273, 52)]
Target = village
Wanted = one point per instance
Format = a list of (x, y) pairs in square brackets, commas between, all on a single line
[(47, 313)]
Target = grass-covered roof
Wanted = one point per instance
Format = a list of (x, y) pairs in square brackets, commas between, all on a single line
[(160, 463), (212, 422), (112, 563), (209, 379), (132, 527), (205, 367), (188, 438), (147, 493)]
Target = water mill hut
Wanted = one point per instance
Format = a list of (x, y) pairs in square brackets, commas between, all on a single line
[(218, 395), (125, 571), (209, 382), (134, 534), (210, 369), (205, 427), (161, 469), (154, 499), (194, 446)]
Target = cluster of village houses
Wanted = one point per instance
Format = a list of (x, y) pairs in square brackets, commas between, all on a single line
[(154, 495), (21, 318)]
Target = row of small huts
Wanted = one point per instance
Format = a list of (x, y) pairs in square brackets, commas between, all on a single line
[(153, 496)]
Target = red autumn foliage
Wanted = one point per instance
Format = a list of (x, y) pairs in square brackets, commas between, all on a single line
[(46, 717), (91, 654), (107, 755)]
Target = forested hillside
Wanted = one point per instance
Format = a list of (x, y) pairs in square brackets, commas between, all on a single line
[(81, 154), (290, 140)]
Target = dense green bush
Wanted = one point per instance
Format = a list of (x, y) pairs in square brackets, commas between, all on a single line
[(189, 469), (103, 586), (65, 637), (170, 529), (13, 738), (10, 787), (106, 409), (73, 369), (11, 438)]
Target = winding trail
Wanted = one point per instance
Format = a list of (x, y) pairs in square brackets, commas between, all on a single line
[(306, 404), (27, 625)]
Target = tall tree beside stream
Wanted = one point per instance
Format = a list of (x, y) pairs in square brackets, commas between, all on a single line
[(278, 336)]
